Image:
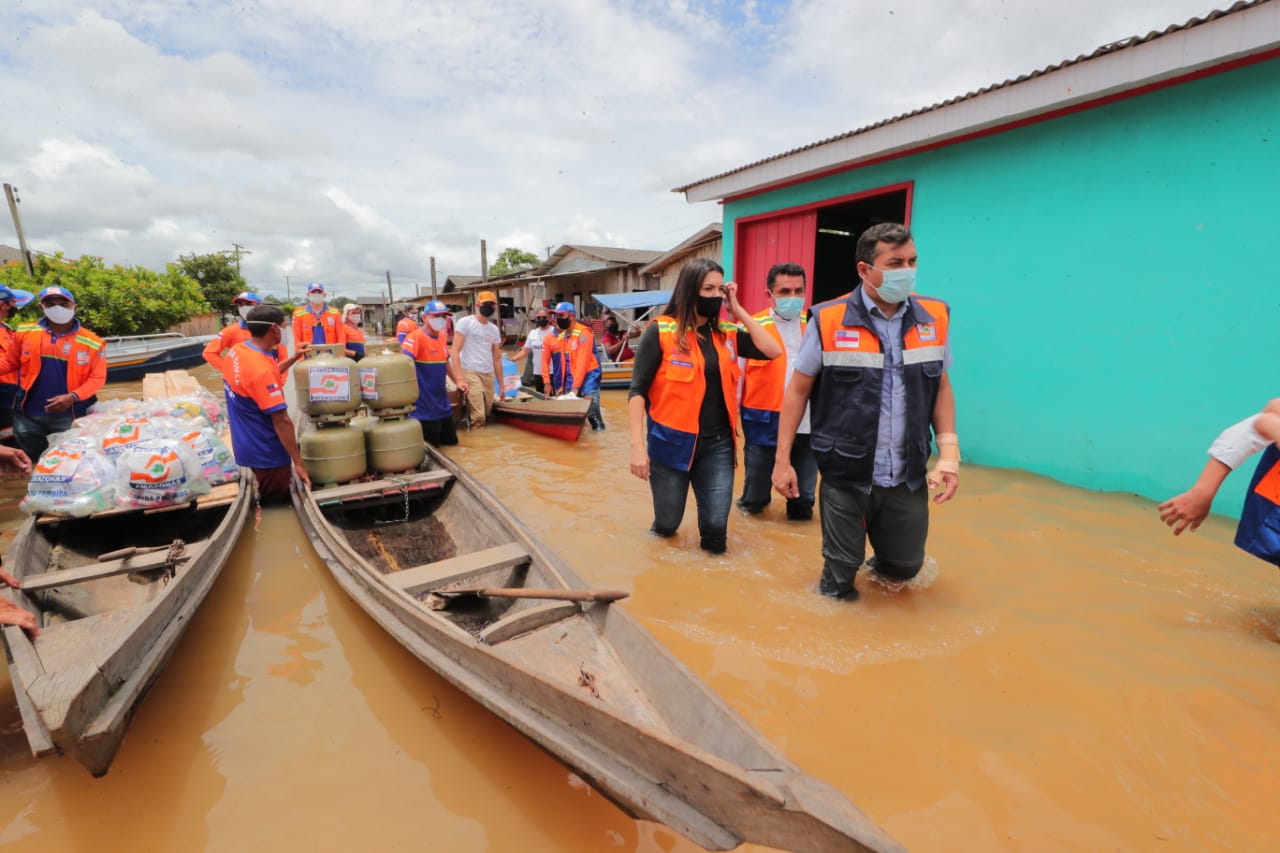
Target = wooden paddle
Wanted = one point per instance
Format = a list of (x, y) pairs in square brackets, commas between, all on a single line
[(441, 599)]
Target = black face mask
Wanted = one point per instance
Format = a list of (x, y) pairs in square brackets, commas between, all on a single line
[(564, 322), (486, 310), (541, 321), (709, 306)]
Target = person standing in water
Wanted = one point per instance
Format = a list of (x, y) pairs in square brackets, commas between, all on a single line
[(570, 364), (873, 369), (221, 343), (429, 349), (682, 406), (531, 351), (1258, 531), (477, 356)]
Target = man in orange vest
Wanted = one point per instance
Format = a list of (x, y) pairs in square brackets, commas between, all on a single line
[(763, 384), (60, 368), (570, 364), (408, 324), (317, 322), (238, 331), (873, 368), (10, 301)]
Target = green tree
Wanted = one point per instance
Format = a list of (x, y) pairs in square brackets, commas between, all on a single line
[(113, 300), (217, 276), (341, 302), (513, 260)]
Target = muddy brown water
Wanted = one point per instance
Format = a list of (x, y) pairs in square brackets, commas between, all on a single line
[(1069, 676)]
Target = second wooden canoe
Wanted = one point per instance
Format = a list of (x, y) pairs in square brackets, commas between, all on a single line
[(555, 418)]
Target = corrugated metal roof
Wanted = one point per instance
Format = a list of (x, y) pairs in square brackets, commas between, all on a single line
[(619, 256), (711, 233), (1112, 47)]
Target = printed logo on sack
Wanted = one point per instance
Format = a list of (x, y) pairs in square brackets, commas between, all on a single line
[(159, 468), (927, 332), (848, 338), (328, 385)]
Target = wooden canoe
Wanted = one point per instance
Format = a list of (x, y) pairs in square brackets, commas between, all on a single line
[(583, 680), (108, 626), (556, 418)]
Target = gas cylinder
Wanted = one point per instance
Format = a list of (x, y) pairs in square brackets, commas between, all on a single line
[(333, 454), (395, 444), (388, 379), (326, 383)]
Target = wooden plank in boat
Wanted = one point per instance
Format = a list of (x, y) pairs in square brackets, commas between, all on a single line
[(529, 619), (178, 383), (96, 571), (458, 568), (154, 386), (372, 488)]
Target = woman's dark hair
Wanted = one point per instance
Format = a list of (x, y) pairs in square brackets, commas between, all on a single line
[(684, 299)]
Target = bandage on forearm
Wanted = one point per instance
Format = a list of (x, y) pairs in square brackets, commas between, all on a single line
[(948, 453)]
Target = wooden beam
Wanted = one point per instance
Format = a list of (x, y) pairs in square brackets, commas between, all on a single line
[(376, 488), (27, 662), (458, 568), (96, 571), (529, 619)]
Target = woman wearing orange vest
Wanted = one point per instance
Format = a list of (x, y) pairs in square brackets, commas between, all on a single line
[(686, 379)]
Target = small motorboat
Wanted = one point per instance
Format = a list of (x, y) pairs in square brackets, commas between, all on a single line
[(543, 415), (133, 356)]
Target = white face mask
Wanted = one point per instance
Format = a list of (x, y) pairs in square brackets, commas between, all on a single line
[(244, 310), (438, 323), (316, 299), (59, 313)]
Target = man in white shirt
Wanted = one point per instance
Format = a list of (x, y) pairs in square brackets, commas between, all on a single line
[(477, 354), (761, 392), (531, 351)]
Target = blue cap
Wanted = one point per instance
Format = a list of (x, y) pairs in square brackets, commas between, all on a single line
[(435, 306), (54, 290), (248, 296), (19, 297), (314, 287), (567, 307)]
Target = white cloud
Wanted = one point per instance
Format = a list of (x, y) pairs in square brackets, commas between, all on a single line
[(337, 140)]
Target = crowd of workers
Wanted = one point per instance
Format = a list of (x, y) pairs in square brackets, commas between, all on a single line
[(855, 389)]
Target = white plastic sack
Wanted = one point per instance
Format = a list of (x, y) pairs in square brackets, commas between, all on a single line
[(216, 462), (73, 477), (158, 472)]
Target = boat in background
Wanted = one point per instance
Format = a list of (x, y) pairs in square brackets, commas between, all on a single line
[(131, 357), (543, 415), (617, 374), (455, 578)]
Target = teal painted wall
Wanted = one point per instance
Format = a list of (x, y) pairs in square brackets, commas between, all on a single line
[(1114, 277)]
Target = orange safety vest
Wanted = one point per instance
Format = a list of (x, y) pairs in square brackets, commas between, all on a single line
[(83, 350), (214, 351), (304, 321), (1259, 528), (675, 397), (844, 408), (763, 385), (405, 327), (568, 358)]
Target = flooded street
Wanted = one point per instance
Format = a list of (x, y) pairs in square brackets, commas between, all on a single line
[(1073, 678)]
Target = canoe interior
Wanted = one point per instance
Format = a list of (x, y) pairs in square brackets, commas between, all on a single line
[(76, 543)]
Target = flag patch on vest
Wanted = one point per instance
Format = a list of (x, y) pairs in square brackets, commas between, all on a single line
[(927, 332), (847, 338), (82, 358)]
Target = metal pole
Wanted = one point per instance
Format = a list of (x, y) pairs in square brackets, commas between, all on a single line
[(17, 224), (484, 263), (433, 276), (389, 296)]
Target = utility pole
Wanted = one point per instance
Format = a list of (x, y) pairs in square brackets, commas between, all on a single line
[(484, 263), (433, 276), (11, 193), (288, 294), (389, 296), (239, 250)]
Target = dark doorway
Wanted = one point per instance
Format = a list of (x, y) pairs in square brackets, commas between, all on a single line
[(834, 267)]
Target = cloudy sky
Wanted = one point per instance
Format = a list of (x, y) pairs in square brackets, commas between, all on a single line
[(339, 139)]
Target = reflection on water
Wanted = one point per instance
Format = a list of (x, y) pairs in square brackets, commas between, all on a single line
[(1072, 677)]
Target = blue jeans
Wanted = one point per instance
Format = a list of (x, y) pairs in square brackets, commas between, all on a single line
[(32, 431), (757, 482), (711, 476)]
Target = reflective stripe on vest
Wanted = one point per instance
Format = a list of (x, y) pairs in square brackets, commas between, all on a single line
[(675, 397)]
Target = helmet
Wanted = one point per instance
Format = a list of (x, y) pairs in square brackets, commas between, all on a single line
[(566, 307), (247, 296), (435, 306)]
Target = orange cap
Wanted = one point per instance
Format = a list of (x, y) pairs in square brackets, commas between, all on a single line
[(485, 296)]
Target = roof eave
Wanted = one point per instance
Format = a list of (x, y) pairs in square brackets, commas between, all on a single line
[(1228, 38)]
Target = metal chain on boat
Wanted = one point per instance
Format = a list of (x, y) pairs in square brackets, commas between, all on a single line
[(404, 491), (176, 550)]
